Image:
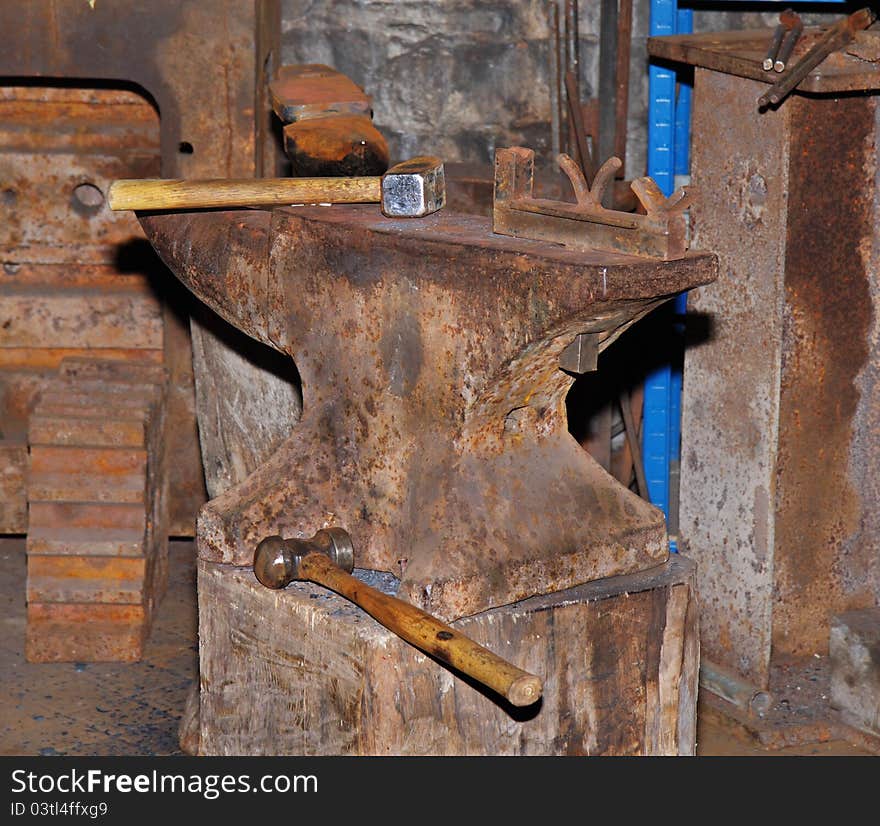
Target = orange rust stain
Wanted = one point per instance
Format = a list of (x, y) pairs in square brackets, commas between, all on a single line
[(64, 612), (85, 567)]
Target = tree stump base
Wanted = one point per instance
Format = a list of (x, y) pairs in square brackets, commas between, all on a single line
[(305, 672)]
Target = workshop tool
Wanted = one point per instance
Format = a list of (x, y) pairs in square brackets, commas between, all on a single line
[(660, 233), (794, 27), (328, 559), (435, 417), (835, 38), (328, 121), (410, 189)]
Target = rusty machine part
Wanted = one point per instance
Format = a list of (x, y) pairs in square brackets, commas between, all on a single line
[(434, 405), (660, 233), (327, 559), (410, 189), (82, 284), (328, 123), (832, 40), (152, 55)]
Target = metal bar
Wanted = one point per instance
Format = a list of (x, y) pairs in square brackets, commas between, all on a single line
[(624, 50), (632, 438), (733, 689), (684, 90), (557, 116), (661, 141), (575, 112), (773, 49), (607, 79)]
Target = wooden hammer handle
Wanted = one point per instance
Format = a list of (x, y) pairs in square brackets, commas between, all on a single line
[(160, 193), (426, 633)]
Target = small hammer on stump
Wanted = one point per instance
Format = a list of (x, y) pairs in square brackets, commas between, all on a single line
[(411, 189), (328, 558)]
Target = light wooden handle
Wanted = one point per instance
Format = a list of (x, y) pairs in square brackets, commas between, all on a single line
[(426, 633), (161, 193)]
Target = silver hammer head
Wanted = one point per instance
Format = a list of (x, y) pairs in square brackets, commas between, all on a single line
[(414, 188), (277, 560)]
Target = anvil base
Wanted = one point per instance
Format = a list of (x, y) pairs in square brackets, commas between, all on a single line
[(304, 672)]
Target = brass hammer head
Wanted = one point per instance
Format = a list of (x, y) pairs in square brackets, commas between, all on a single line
[(277, 560)]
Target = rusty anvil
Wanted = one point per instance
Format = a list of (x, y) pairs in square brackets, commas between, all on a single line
[(434, 426)]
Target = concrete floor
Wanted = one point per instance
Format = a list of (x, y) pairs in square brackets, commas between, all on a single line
[(106, 709), (97, 709)]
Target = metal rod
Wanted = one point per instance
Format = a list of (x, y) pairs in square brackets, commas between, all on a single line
[(555, 80), (607, 80), (728, 686), (791, 38), (632, 439), (572, 62), (833, 39), (775, 43), (576, 114), (624, 49)]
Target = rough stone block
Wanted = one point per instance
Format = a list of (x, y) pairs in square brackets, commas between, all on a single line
[(855, 668)]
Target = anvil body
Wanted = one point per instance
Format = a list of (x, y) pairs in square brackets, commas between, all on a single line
[(433, 427)]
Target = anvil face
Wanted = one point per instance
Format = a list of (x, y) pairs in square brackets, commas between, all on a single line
[(433, 426)]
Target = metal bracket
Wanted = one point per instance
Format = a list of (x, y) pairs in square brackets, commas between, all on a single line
[(659, 233), (582, 355)]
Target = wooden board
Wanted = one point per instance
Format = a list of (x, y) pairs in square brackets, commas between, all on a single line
[(304, 672)]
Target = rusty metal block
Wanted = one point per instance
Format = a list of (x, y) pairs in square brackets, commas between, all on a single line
[(659, 232), (98, 526), (780, 411), (58, 632), (13, 496)]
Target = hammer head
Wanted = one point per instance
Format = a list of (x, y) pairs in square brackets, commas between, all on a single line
[(414, 188), (277, 561)]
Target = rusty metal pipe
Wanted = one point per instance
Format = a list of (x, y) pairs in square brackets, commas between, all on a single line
[(728, 686)]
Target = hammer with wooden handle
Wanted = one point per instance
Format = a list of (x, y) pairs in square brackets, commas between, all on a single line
[(328, 557), (411, 189)]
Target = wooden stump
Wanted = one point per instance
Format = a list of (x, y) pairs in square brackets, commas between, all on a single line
[(304, 672)]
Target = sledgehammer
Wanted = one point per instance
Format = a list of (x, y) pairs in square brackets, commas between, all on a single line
[(328, 557), (411, 189)]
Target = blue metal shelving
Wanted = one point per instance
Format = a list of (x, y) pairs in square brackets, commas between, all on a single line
[(668, 156)]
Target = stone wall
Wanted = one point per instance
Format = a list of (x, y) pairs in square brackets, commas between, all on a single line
[(457, 78)]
